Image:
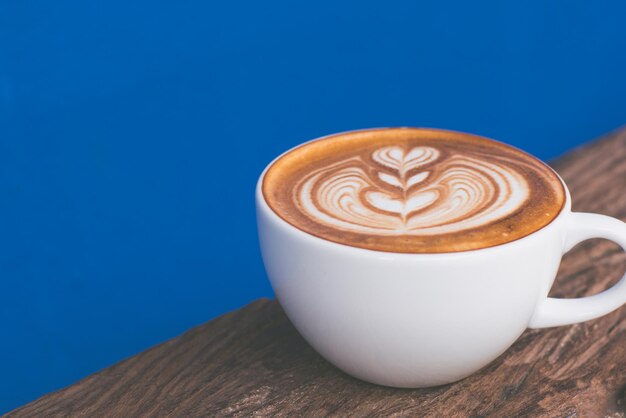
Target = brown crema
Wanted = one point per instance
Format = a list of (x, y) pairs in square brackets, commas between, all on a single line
[(413, 190)]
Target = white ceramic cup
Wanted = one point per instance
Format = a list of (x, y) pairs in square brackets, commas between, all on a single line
[(418, 320)]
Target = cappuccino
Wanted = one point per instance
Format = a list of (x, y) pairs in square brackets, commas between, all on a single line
[(413, 190)]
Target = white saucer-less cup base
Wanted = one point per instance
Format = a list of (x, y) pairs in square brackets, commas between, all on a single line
[(418, 320)]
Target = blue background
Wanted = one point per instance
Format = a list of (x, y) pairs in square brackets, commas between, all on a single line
[(132, 134)]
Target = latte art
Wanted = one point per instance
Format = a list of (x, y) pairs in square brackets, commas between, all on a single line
[(399, 191), (413, 190)]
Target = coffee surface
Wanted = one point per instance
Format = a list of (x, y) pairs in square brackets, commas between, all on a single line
[(413, 190)]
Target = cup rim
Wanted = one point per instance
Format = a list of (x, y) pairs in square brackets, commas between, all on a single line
[(262, 205)]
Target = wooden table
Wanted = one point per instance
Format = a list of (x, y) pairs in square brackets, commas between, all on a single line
[(253, 362)]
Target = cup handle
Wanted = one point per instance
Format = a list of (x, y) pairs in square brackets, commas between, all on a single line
[(554, 312)]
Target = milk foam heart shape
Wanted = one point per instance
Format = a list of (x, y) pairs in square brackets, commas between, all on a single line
[(402, 161), (458, 192)]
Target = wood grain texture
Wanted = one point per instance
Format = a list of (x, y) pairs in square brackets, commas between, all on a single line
[(252, 362)]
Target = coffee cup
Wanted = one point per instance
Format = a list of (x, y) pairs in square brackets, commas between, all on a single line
[(408, 316)]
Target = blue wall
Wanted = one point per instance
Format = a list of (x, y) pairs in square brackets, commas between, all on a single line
[(132, 133)]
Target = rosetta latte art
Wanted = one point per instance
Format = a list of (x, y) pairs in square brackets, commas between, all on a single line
[(413, 191)]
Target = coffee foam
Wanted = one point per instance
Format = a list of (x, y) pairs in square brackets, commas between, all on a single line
[(413, 190)]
